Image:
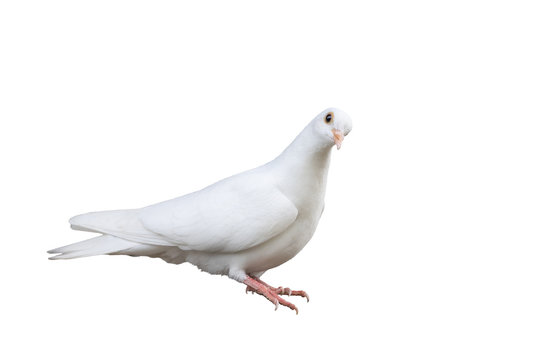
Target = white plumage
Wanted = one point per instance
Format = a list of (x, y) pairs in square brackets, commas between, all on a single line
[(240, 226)]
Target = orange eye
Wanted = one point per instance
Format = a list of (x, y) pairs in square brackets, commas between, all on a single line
[(329, 117)]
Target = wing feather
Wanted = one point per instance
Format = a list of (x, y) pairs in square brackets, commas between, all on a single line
[(232, 215), (228, 216)]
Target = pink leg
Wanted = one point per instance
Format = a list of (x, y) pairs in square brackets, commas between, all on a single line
[(257, 286)]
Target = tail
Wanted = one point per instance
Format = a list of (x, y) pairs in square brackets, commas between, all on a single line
[(112, 245), (101, 245)]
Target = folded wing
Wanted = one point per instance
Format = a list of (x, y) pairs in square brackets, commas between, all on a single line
[(229, 216)]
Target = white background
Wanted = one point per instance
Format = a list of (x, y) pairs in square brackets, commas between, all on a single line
[(429, 244)]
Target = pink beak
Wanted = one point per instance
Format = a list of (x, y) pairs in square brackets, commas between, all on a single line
[(338, 138)]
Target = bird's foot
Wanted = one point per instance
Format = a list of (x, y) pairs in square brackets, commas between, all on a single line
[(258, 286), (285, 291)]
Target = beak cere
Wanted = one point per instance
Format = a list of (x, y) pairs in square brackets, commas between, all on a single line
[(338, 137)]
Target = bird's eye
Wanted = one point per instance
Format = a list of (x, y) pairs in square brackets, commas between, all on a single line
[(329, 117)]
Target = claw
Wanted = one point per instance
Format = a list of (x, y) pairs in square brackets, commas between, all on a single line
[(288, 291), (277, 304)]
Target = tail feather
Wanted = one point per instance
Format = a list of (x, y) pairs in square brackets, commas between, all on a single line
[(100, 245), (112, 245)]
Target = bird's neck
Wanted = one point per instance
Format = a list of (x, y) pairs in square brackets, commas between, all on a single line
[(304, 163)]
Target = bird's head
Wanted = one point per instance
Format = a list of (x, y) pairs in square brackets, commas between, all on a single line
[(333, 124)]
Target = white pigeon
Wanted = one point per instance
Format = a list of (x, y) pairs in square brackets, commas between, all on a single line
[(240, 226)]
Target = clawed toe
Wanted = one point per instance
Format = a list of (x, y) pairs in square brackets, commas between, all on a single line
[(256, 285), (289, 292)]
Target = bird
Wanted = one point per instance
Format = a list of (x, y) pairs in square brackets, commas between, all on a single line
[(240, 226)]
